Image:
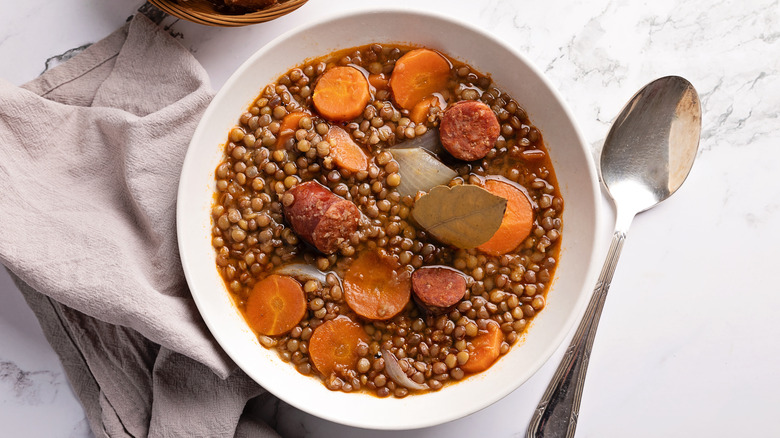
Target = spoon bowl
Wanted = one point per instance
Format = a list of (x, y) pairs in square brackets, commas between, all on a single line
[(646, 157)]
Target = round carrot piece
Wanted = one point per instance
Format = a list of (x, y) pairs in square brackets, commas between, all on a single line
[(276, 305), (517, 222), (288, 127), (341, 94), (333, 345), (484, 349), (418, 74), (345, 152), (374, 288)]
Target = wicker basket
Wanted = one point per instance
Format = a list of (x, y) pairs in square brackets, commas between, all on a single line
[(202, 12)]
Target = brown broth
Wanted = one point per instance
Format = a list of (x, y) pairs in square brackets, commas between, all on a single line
[(252, 238)]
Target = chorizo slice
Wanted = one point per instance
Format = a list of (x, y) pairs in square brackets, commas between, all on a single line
[(468, 130), (437, 289), (320, 217)]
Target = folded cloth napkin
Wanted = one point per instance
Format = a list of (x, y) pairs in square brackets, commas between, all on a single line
[(89, 167)]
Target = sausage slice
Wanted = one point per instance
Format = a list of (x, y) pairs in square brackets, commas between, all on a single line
[(468, 130), (320, 217), (438, 289)]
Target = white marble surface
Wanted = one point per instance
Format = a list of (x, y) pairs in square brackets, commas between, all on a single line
[(689, 340)]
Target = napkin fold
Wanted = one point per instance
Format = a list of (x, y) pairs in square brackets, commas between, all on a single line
[(89, 168)]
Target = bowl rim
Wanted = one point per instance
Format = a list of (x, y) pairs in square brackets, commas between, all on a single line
[(594, 189)]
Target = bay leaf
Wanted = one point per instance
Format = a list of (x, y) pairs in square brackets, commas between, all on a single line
[(464, 216)]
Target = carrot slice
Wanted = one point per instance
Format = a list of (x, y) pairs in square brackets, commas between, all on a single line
[(333, 346), (484, 349), (341, 94), (517, 222), (418, 74), (374, 288), (379, 81), (288, 127), (345, 152), (420, 111), (276, 305)]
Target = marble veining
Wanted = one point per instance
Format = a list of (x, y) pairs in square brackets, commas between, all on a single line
[(685, 344), (63, 57), (30, 387)]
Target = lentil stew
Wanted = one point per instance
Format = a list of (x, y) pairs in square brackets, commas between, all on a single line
[(314, 220)]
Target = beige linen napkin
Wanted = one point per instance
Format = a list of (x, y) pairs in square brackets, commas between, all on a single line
[(90, 155)]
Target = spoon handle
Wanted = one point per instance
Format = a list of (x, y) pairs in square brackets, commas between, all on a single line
[(556, 414)]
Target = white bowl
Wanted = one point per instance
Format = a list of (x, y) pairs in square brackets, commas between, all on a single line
[(511, 72)]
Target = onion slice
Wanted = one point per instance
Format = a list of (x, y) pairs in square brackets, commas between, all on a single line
[(429, 141), (397, 374), (420, 171), (301, 270)]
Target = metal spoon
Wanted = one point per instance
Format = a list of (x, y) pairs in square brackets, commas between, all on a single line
[(646, 157)]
